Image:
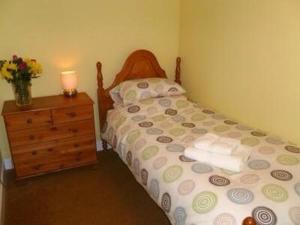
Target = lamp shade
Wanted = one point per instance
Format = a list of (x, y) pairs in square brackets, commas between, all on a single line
[(69, 82)]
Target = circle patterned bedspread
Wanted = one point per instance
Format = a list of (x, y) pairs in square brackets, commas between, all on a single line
[(151, 136)]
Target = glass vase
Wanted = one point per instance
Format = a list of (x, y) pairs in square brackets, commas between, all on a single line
[(22, 91)]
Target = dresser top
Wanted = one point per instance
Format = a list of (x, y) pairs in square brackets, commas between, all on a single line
[(48, 102)]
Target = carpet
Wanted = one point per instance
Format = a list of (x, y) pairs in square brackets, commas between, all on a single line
[(102, 194)]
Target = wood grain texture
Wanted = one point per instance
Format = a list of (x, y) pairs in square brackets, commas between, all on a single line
[(49, 102), (50, 137), (139, 64), (27, 120), (178, 71), (60, 131), (70, 114)]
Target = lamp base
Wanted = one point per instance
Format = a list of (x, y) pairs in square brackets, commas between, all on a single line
[(70, 93)]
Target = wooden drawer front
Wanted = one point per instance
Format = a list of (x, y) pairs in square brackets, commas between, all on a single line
[(83, 112), (61, 146), (32, 136), (86, 158), (28, 120), (42, 158), (56, 150), (36, 153)]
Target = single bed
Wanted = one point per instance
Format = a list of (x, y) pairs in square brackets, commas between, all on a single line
[(151, 135)]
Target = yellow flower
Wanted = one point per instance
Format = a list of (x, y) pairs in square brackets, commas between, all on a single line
[(4, 70), (5, 74), (34, 67), (38, 68), (12, 66)]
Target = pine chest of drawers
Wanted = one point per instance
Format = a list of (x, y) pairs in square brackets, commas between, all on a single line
[(54, 133)]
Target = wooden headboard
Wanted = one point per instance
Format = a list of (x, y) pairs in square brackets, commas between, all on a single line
[(139, 64)]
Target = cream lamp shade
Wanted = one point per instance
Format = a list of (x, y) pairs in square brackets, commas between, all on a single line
[(69, 81)]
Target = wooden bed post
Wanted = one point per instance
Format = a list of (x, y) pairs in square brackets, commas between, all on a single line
[(178, 71), (99, 76), (101, 92)]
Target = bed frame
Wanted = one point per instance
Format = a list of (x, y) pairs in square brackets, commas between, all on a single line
[(139, 64)]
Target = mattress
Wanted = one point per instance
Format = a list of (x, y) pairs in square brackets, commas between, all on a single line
[(150, 137)]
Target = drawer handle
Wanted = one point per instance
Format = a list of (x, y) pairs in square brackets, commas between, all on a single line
[(50, 149), (37, 167), (72, 114), (54, 128), (78, 159), (74, 130), (29, 121), (31, 137)]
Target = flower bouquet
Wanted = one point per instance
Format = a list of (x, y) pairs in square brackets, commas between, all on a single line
[(19, 72)]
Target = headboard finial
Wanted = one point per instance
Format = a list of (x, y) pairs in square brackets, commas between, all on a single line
[(99, 76), (249, 221), (178, 70)]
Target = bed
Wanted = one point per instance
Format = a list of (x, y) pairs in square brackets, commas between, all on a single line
[(151, 135)]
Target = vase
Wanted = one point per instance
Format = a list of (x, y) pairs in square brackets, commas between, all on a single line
[(22, 91)]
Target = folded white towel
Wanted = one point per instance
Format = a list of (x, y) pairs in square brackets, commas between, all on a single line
[(223, 146), (234, 162), (213, 143), (205, 141)]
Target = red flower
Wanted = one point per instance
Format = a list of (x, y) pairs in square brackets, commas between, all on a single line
[(22, 66)]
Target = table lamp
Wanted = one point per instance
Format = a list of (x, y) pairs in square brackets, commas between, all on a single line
[(69, 82)]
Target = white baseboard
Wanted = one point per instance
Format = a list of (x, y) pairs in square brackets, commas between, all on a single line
[(8, 164), (99, 145)]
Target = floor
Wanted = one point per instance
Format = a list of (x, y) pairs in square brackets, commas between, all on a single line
[(105, 193)]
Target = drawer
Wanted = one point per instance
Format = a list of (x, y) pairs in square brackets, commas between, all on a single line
[(28, 120), (57, 146), (56, 155), (26, 170), (30, 154), (63, 115), (62, 131), (72, 160)]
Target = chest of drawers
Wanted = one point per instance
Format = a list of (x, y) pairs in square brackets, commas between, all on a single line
[(54, 133)]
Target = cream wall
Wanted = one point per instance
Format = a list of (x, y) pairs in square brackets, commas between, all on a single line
[(69, 34), (242, 58)]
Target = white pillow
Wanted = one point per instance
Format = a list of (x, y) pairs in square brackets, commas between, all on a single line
[(131, 91)]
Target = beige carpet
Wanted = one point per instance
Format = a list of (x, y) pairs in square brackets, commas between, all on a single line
[(104, 194)]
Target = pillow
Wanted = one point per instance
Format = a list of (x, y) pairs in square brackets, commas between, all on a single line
[(132, 91), (115, 95)]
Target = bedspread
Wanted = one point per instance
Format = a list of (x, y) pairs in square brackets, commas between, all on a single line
[(151, 136)]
